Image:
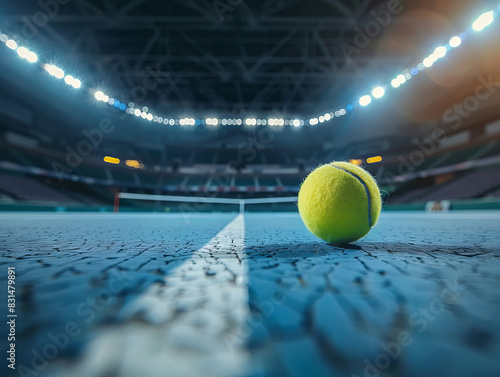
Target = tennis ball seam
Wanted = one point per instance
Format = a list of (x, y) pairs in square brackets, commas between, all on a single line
[(367, 191)]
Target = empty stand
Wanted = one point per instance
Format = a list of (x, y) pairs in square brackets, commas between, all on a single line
[(24, 188), (470, 185)]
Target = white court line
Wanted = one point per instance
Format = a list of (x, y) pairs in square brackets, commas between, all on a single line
[(184, 332)]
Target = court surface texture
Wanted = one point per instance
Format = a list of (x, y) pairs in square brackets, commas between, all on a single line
[(251, 295)]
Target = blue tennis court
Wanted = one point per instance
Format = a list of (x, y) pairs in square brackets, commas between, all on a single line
[(253, 295)]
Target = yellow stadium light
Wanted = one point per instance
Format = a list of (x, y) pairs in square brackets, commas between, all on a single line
[(111, 160), (355, 162), (373, 160)]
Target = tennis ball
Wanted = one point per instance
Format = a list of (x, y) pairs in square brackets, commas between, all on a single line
[(339, 202)]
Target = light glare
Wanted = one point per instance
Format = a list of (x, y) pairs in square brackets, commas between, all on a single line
[(440, 52), (483, 20), (428, 62), (378, 92), (251, 121), (455, 42), (365, 100), (11, 44), (54, 71)]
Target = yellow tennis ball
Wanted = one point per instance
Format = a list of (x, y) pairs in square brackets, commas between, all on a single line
[(339, 202)]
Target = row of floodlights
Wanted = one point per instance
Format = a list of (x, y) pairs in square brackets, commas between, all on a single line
[(32, 57), (479, 24)]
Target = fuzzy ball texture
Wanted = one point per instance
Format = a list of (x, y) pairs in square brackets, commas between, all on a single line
[(339, 202)]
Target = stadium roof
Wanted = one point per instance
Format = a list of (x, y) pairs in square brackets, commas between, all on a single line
[(243, 59)]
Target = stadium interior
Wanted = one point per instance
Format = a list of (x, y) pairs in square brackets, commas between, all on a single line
[(161, 210), (282, 69)]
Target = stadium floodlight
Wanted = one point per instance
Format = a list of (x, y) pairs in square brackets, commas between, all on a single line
[(313, 121), (440, 52), (321, 119), (149, 117), (296, 123), (144, 115), (455, 41), (428, 62), (3, 38), (75, 83), (483, 20), (373, 160), (395, 83), (187, 122), (111, 160), (250, 121), (365, 100), (137, 112), (276, 122), (209, 121), (100, 96), (401, 79), (11, 44), (327, 117), (239, 122), (54, 71), (31, 57), (378, 92), (23, 52)]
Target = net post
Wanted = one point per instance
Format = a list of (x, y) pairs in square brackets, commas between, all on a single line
[(116, 205), (242, 206)]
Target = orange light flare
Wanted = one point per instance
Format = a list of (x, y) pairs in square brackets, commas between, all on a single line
[(134, 164)]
